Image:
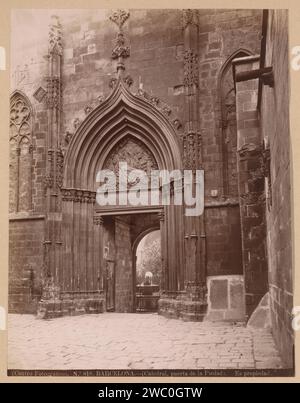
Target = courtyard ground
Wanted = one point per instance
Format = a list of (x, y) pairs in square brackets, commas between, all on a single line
[(135, 341)]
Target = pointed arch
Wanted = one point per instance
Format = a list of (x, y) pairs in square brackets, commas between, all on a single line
[(20, 139), (226, 90), (120, 115), (242, 52)]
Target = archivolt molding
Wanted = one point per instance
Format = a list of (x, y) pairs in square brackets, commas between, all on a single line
[(154, 101), (121, 114)]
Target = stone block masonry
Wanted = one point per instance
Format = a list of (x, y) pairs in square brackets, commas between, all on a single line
[(276, 136), (26, 262), (153, 88)]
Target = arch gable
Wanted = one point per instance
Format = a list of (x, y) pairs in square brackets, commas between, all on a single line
[(121, 114)]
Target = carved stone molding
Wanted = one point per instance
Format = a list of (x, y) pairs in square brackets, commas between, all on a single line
[(55, 36), (119, 17), (68, 136), (53, 92), (59, 162), (190, 69), (88, 109), (48, 181), (128, 80), (112, 82), (120, 50), (78, 195), (134, 153), (177, 124), (190, 149), (20, 120), (161, 106), (100, 99), (59, 168), (76, 123), (40, 94), (50, 153)]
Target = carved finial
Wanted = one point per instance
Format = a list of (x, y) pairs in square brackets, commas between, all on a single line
[(119, 17), (55, 36), (120, 51)]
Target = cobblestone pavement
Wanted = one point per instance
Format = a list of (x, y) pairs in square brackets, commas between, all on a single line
[(135, 341)]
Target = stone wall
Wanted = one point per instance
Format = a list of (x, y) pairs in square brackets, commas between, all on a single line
[(223, 34), (251, 181), (25, 264), (275, 130), (156, 65), (224, 246)]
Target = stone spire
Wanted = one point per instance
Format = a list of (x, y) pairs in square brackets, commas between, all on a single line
[(120, 51), (55, 36)]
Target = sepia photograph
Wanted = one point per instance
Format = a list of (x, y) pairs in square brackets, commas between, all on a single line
[(150, 212)]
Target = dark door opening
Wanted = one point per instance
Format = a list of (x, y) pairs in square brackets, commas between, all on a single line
[(148, 272)]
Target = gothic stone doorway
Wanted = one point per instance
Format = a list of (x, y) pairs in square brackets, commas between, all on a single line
[(125, 127), (120, 236)]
